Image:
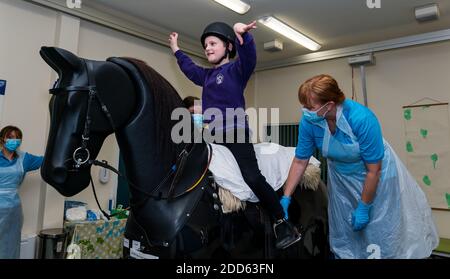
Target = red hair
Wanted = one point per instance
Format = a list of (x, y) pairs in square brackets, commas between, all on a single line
[(323, 87)]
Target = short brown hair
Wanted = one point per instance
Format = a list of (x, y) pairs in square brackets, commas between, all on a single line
[(6, 131), (324, 87), (189, 101)]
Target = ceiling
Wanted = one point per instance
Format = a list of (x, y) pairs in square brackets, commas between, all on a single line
[(333, 23)]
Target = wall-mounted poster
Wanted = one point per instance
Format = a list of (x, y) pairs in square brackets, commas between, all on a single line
[(2, 87), (2, 93), (427, 134)]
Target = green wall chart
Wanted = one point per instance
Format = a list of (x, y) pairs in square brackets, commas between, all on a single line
[(427, 135)]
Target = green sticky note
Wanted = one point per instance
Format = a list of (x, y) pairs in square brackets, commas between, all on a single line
[(407, 114), (409, 147), (447, 197), (434, 158), (426, 180), (424, 133)]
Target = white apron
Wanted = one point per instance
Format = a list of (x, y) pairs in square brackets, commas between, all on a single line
[(401, 225), (11, 217)]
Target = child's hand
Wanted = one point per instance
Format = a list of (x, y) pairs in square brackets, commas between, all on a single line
[(173, 40), (241, 28)]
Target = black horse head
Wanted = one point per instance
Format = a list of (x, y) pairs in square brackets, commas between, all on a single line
[(68, 112), (91, 100)]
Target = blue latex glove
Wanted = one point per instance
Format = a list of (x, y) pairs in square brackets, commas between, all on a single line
[(285, 201), (361, 216)]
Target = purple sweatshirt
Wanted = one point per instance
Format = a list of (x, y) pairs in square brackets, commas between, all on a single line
[(223, 87)]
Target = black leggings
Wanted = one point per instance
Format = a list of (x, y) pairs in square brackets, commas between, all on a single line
[(245, 156)]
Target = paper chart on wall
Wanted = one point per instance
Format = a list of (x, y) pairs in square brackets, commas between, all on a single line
[(427, 135)]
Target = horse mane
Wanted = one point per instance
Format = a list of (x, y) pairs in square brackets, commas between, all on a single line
[(165, 100)]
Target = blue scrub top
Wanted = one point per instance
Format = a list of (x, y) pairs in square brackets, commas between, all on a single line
[(365, 127)]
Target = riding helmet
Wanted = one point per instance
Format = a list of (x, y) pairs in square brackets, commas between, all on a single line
[(222, 31)]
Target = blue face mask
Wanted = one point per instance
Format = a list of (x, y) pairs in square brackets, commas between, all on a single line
[(12, 144), (198, 120), (312, 116)]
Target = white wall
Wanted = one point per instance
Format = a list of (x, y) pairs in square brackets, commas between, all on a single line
[(400, 77), (24, 28), (279, 88)]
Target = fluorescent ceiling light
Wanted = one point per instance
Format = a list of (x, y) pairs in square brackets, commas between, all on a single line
[(235, 5), (289, 32)]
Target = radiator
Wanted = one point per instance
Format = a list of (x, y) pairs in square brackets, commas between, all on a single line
[(288, 136)]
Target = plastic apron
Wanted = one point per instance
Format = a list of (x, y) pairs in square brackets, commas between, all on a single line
[(11, 217), (400, 226)]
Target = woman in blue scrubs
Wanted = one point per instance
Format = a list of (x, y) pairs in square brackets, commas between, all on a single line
[(13, 166), (376, 208)]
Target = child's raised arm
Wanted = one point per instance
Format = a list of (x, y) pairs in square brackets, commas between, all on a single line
[(241, 28), (173, 40)]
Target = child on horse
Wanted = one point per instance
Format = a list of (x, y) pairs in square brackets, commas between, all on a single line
[(223, 90)]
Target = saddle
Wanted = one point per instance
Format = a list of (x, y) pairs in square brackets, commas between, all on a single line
[(190, 169)]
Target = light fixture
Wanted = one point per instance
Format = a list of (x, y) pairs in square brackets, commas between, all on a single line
[(289, 32), (427, 13), (235, 5)]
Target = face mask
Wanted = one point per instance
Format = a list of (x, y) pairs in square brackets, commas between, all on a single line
[(12, 144), (312, 116), (198, 120)]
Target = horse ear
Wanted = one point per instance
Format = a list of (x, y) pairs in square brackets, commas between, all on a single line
[(61, 60)]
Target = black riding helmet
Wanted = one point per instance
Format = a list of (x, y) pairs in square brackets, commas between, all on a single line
[(222, 31)]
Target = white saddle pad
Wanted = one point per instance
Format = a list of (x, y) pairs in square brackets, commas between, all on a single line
[(274, 162)]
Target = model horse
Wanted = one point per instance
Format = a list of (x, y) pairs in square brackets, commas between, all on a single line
[(175, 208)]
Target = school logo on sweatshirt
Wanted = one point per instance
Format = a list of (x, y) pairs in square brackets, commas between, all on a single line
[(219, 78)]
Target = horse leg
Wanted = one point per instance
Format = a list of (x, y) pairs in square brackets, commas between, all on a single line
[(237, 235), (200, 238), (309, 209)]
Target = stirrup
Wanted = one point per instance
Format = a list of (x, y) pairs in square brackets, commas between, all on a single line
[(297, 238)]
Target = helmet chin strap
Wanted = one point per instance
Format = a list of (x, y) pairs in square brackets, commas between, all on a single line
[(227, 52), (221, 59)]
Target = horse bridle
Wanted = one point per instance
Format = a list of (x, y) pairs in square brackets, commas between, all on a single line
[(81, 155)]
